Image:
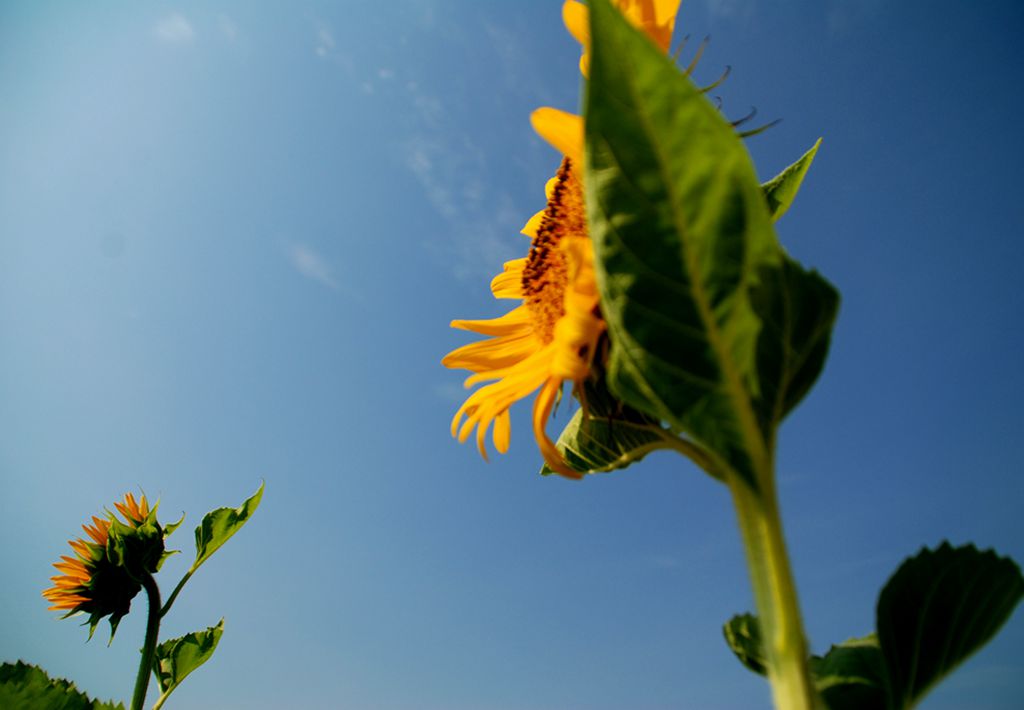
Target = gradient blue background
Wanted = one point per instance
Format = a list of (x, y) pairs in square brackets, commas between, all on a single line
[(232, 236)]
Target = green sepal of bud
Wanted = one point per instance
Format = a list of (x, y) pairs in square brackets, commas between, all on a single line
[(137, 546)]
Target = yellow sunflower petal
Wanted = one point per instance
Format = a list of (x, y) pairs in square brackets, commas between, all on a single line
[(656, 18), (490, 401), (577, 20), (67, 601), (562, 130), (541, 413), (533, 368), (63, 582), (81, 548), (98, 530), (492, 354), (530, 228), (124, 510), (72, 568), (502, 432), (509, 283), (515, 321)]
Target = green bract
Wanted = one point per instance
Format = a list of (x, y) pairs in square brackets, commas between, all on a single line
[(138, 546), (607, 434), (781, 190)]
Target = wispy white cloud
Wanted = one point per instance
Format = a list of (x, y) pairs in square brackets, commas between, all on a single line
[(324, 41), (521, 70), (421, 161), (312, 265), (479, 218), (483, 223), (175, 29), (429, 109)]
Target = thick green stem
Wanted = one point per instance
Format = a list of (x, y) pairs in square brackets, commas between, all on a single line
[(149, 645), (775, 595)]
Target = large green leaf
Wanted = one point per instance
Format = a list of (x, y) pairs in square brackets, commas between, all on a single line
[(27, 687), (220, 524), (851, 676), (781, 190), (176, 658), (937, 609), (605, 434), (688, 262)]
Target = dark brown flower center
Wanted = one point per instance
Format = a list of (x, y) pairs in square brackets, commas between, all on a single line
[(546, 274)]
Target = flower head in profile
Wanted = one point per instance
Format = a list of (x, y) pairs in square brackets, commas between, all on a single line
[(552, 336), (104, 574)]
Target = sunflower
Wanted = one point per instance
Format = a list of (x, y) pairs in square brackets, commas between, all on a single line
[(99, 580), (552, 336)]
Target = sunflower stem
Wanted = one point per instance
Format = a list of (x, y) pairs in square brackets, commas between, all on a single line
[(775, 595), (149, 645), (174, 595)]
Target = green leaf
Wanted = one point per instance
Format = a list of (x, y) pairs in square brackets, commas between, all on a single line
[(797, 309), (605, 434), (176, 658), (682, 235), (220, 524), (714, 329), (743, 634), (28, 687), (781, 190), (937, 609), (851, 676)]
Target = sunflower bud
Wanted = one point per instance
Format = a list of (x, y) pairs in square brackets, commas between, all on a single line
[(107, 570)]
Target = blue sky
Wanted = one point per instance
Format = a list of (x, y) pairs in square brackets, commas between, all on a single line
[(232, 237)]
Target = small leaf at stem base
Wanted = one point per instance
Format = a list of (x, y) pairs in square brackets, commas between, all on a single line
[(176, 658)]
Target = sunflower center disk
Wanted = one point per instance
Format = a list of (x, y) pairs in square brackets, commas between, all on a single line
[(550, 265)]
